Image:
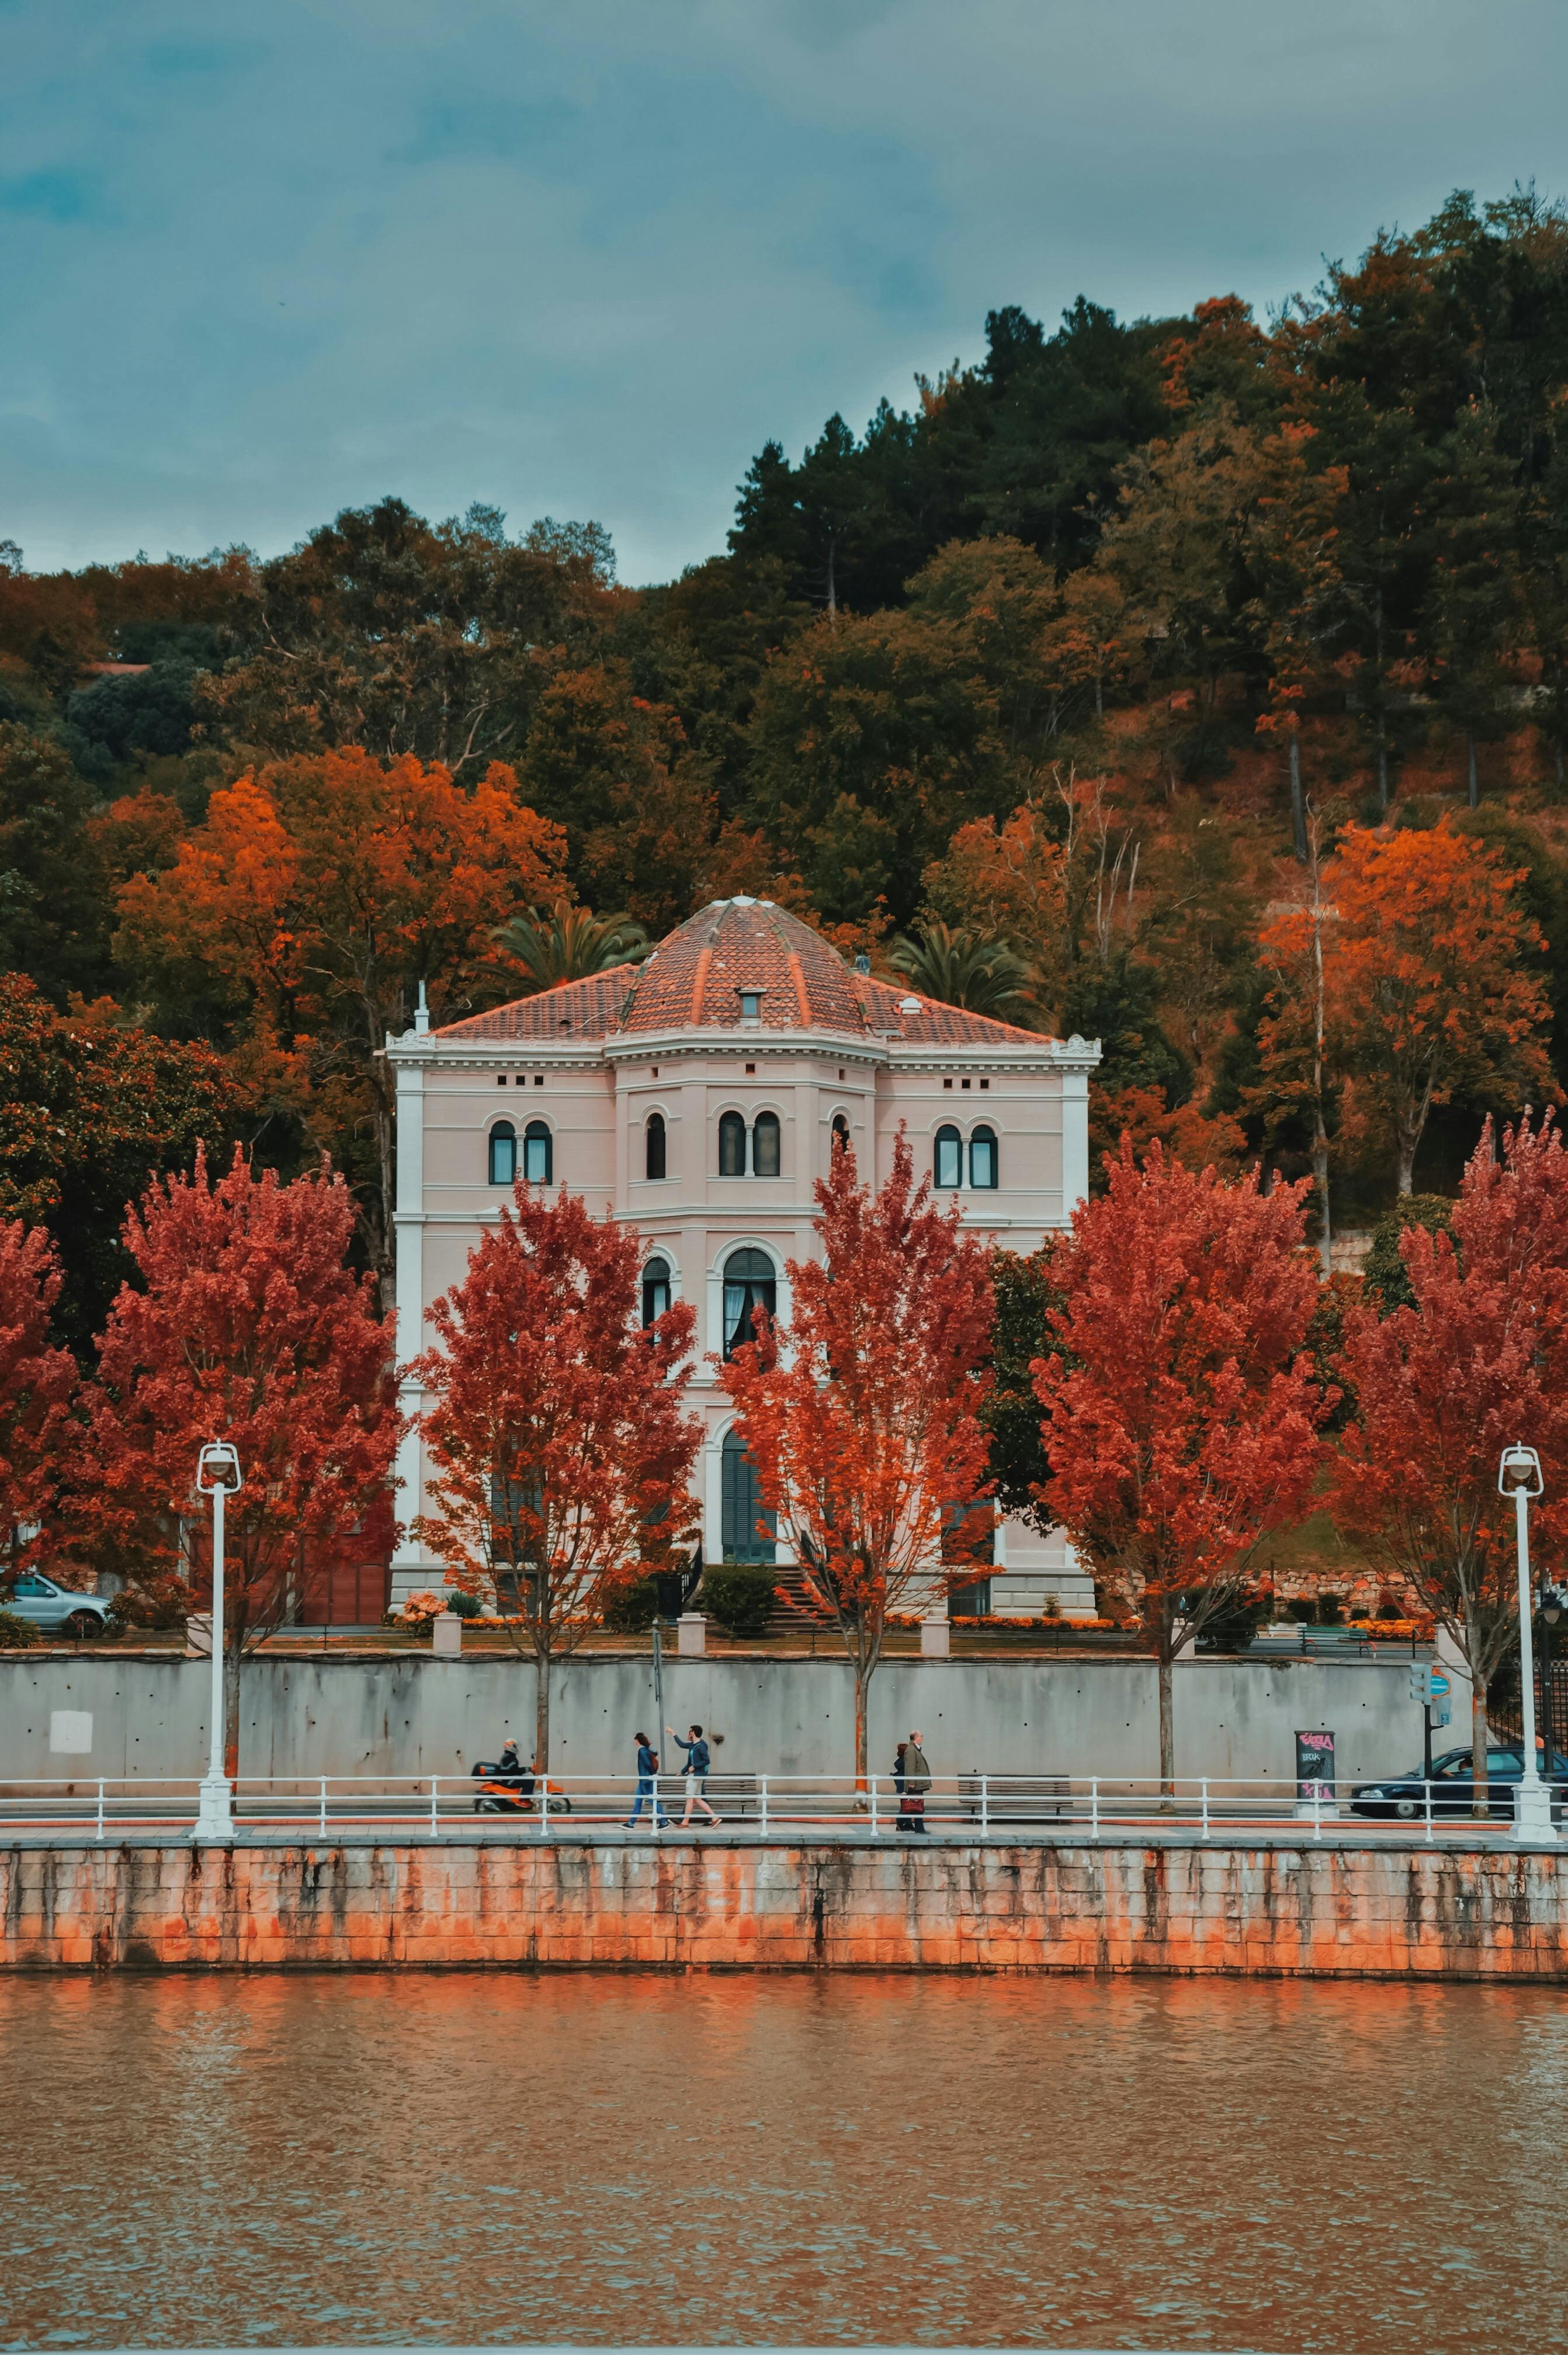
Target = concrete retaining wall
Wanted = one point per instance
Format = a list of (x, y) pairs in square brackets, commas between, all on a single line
[(424, 1716), (1266, 1908)]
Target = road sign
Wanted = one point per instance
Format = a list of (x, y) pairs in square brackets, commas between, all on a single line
[(1429, 1685)]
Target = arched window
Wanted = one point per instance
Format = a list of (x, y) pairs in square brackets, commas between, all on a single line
[(841, 1133), (749, 1284), (655, 1290), (765, 1146), (732, 1146), (741, 1507), (538, 1154), (982, 1158), (503, 1154), (950, 1168), (655, 1162)]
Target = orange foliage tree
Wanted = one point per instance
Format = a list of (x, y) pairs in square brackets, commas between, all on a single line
[(1442, 1388), (559, 1457), (249, 1327), (317, 896), (1427, 989), (862, 1415), (1181, 1416), (36, 1383)]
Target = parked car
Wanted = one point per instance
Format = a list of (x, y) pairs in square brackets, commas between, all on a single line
[(1454, 1786), (54, 1608)]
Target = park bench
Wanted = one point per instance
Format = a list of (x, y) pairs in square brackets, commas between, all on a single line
[(1017, 1798)]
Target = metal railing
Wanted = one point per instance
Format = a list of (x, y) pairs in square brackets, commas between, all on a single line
[(780, 1808)]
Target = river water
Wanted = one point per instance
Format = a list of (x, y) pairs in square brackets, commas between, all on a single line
[(1045, 2163)]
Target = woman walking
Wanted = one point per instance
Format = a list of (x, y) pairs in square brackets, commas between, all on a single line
[(647, 1784)]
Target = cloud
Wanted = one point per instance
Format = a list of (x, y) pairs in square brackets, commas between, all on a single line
[(585, 262), (52, 196)]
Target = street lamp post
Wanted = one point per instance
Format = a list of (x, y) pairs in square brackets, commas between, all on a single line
[(217, 1477), (1519, 1477), (1553, 1603)]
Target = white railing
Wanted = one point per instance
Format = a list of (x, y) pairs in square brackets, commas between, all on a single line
[(780, 1808)]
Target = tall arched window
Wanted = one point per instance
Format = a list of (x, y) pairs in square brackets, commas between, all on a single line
[(949, 1158), (982, 1158), (732, 1146), (503, 1154), (841, 1133), (655, 1290), (749, 1284), (538, 1154), (741, 1507), (765, 1146), (655, 1148)]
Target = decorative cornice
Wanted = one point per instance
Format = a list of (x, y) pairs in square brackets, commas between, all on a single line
[(888, 1051)]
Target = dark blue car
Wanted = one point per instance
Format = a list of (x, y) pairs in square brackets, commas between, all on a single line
[(1454, 1786)]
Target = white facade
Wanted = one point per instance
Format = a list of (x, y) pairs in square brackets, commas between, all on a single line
[(580, 1064)]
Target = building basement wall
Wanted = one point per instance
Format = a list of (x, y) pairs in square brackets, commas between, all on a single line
[(1264, 1908)]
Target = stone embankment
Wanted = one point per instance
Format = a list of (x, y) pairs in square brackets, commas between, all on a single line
[(1270, 1907)]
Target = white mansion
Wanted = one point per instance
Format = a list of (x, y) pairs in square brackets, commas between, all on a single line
[(696, 1097)]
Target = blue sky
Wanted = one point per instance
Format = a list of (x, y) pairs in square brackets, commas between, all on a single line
[(260, 261)]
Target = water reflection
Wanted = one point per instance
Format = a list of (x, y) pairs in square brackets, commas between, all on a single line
[(1055, 2163)]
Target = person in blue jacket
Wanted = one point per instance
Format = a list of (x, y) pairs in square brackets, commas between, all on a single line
[(647, 1793)]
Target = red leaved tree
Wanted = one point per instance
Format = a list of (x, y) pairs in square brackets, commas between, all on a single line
[(36, 1383), (249, 1327), (862, 1416), (1482, 1360), (1181, 1418), (559, 1455)]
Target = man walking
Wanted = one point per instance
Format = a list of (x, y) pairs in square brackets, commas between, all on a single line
[(647, 1791), (917, 1783), (697, 1761)]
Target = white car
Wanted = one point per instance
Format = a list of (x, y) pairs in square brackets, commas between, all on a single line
[(33, 1596)]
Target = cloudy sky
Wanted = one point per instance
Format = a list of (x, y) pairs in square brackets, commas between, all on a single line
[(260, 261)]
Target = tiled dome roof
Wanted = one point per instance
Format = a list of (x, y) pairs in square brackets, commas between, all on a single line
[(694, 979)]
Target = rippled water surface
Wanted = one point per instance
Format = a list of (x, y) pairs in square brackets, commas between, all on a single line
[(1055, 2163)]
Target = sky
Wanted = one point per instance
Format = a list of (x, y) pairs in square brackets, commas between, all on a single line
[(261, 262)]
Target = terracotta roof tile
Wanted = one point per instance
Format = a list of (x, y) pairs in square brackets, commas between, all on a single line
[(573, 1009), (694, 980), (885, 1007)]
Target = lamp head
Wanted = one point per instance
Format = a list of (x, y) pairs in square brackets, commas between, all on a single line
[(218, 1467), (1518, 1474)]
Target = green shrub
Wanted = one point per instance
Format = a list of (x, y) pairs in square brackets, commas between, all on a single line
[(1384, 1283), (161, 1602), (739, 1596), (465, 1606), (17, 1634), (1235, 1623), (633, 1610)]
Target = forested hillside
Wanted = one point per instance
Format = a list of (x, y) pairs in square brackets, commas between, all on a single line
[(1200, 683)]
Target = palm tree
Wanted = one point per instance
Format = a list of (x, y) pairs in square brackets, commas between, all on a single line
[(974, 970), (571, 942)]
